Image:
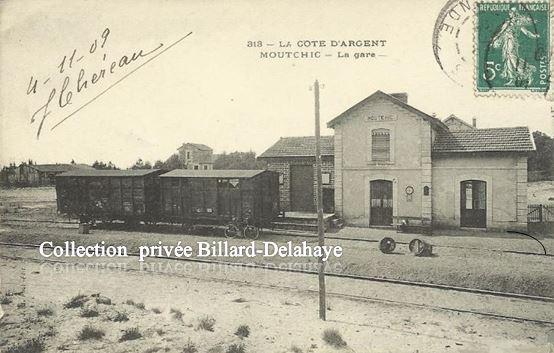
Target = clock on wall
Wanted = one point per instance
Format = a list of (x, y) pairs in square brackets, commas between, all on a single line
[(409, 190)]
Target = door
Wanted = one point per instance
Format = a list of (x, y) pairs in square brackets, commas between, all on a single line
[(473, 204), (302, 188), (380, 194), (328, 200)]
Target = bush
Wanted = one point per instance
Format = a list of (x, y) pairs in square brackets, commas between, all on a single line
[(103, 300), (76, 302), (45, 312), (33, 345), (90, 333), (119, 316), (156, 311), (236, 348), (4, 299), (333, 338), (140, 306), (176, 313), (243, 331), (130, 334), (295, 349), (89, 312), (206, 323), (190, 347), (130, 302)]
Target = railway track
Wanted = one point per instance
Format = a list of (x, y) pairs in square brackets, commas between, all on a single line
[(337, 275), (311, 235), (353, 297)]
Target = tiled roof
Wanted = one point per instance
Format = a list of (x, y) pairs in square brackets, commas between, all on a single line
[(454, 118), (198, 146), (58, 168), (217, 173), (108, 173), (299, 146), (505, 139)]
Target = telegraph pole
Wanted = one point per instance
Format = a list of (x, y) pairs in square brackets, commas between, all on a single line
[(319, 202)]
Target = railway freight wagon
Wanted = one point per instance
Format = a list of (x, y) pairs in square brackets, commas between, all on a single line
[(108, 195), (220, 196)]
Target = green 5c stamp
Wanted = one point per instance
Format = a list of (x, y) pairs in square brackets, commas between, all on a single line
[(512, 46)]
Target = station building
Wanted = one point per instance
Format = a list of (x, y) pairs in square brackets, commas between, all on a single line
[(389, 163)]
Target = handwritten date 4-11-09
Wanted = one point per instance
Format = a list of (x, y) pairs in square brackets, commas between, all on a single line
[(61, 94)]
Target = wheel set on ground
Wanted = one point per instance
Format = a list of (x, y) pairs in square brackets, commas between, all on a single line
[(417, 247), (420, 248), (387, 245)]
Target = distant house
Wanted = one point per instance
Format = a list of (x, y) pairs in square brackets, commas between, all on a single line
[(196, 156), (41, 174)]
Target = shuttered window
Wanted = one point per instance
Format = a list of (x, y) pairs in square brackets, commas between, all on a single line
[(380, 145)]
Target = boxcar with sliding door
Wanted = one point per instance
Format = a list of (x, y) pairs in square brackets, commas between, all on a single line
[(108, 195), (218, 196)]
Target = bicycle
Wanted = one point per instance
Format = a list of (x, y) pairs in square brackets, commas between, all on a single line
[(241, 228)]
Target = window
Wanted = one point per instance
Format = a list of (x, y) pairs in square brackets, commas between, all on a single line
[(326, 178), (188, 154), (425, 191), (196, 167), (205, 167), (380, 145), (281, 179)]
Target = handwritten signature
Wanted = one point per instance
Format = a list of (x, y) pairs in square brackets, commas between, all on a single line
[(71, 85)]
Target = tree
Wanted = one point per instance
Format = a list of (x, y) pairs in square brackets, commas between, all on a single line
[(173, 162), (140, 164), (104, 166), (238, 160), (540, 164), (158, 164)]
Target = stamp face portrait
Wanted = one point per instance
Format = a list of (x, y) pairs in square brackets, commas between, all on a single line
[(512, 46)]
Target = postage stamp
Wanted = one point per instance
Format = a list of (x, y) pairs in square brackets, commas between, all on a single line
[(512, 46)]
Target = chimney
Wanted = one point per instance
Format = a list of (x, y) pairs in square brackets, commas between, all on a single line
[(402, 96), (474, 122)]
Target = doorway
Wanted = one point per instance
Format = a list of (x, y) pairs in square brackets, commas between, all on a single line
[(473, 204), (302, 188), (380, 193)]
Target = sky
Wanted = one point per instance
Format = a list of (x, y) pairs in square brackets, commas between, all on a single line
[(211, 87)]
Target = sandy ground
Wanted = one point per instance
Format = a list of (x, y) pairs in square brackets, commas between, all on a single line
[(279, 318)]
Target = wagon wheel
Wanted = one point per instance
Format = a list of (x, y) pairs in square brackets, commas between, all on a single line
[(387, 245), (251, 232), (419, 247), (231, 230)]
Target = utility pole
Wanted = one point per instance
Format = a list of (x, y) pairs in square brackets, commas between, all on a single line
[(319, 202)]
